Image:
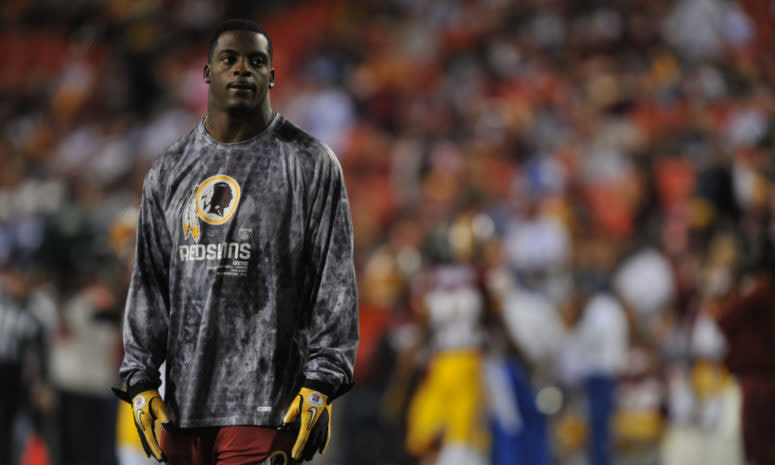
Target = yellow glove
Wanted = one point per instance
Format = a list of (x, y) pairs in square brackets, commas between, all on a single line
[(148, 409), (312, 410)]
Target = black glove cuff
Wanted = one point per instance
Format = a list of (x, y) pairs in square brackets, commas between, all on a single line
[(332, 392), (136, 389), (122, 394)]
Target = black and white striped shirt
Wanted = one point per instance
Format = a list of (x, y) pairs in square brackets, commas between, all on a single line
[(20, 332)]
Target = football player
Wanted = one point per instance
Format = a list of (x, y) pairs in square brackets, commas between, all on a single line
[(243, 280)]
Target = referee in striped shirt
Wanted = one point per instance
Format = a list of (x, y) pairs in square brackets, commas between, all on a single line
[(21, 350)]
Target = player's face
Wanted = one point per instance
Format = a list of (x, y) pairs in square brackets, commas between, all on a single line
[(239, 72)]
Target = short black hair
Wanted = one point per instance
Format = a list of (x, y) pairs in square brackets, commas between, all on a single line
[(240, 25)]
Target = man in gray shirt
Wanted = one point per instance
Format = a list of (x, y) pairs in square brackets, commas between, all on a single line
[(244, 279)]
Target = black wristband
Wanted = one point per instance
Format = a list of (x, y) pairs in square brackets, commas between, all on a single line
[(330, 391), (136, 389), (323, 388)]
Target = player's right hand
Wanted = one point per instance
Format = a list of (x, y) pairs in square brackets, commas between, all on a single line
[(149, 413), (312, 410)]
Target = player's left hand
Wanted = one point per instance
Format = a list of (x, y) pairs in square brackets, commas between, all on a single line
[(149, 413), (313, 411)]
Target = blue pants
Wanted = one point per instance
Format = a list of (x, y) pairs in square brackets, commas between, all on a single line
[(529, 444), (600, 397)]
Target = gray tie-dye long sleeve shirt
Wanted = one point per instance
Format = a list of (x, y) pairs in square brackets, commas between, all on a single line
[(244, 279)]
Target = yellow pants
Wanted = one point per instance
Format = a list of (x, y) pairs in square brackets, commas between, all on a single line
[(449, 404)]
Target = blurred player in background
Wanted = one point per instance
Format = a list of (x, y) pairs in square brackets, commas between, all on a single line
[(744, 313), (600, 340), (21, 353), (243, 280), (446, 421), (524, 342)]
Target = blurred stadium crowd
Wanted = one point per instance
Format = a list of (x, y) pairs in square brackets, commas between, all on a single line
[(569, 191)]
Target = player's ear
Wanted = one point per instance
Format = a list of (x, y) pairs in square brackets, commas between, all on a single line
[(271, 78), (206, 73)]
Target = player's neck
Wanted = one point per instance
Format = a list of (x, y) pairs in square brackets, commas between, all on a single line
[(228, 128)]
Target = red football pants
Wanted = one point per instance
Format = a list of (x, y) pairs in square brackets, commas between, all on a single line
[(228, 445)]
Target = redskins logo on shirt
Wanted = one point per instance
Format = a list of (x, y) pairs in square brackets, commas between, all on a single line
[(213, 201)]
